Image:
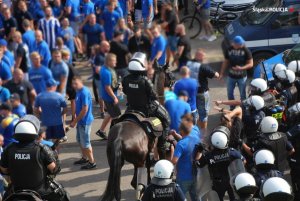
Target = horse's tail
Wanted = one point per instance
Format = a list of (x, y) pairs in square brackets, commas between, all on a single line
[(114, 155)]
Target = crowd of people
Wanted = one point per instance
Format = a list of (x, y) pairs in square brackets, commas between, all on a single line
[(40, 46)]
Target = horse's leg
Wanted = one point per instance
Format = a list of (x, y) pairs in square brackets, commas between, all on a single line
[(118, 190), (148, 166), (134, 179)]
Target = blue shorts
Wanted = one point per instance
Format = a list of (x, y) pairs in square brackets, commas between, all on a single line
[(83, 135), (55, 132), (203, 106), (172, 43), (147, 25), (195, 116)]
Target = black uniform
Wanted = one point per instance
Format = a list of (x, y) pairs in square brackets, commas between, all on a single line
[(171, 192), (262, 175), (141, 97), (278, 144), (27, 166), (218, 161)]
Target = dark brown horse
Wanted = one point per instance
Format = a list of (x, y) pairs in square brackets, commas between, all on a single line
[(127, 141)]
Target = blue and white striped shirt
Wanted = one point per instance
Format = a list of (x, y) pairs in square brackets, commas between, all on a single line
[(50, 30)]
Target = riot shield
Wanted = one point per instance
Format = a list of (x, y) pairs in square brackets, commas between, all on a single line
[(204, 185), (235, 167)]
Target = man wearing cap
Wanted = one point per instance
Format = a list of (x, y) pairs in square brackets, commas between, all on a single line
[(51, 106), (17, 107), (8, 56), (118, 48), (238, 59), (139, 42)]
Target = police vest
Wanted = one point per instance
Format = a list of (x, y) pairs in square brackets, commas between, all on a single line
[(276, 142), (291, 95), (163, 193), (261, 177), (251, 124), (218, 163), (26, 167)]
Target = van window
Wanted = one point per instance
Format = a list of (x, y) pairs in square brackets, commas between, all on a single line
[(254, 17), (293, 54), (288, 19)]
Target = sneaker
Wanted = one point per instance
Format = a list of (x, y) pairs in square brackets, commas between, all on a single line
[(211, 38), (89, 166), (203, 37), (102, 115), (82, 161), (101, 134)]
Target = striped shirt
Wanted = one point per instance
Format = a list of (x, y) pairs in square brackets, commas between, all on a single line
[(50, 30)]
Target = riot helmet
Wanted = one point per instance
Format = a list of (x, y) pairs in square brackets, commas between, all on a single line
[(269, 125), (258, 86), (138, 62), (27, 128), (163, 173), (255, 102), (244, 184), (264, 159), (278, 70), (276, 189), (220, 137), (294, 66)]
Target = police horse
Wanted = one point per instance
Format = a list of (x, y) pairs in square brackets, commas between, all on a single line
[(131, 139)]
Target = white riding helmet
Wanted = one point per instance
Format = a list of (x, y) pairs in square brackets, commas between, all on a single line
[(278, 68), (244, 183), (27, 128), (219, 140), (269, 125), (163, 169), (138, 62), (264, 157), (276, 188), (259, 84), (294, 66), (256, 101), (290, 76)]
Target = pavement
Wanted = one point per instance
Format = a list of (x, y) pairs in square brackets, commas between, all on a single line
[(90, 185)]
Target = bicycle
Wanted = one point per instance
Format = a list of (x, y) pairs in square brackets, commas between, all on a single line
[(219, 21)]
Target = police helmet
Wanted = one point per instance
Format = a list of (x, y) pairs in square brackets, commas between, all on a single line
[(258, 85), (290, 76), (138, 62), (268, 125), (294, 66), (264, 158), (276, 189), (277, 69), (219, 140), (163, 172), (256, 101), (244, 184), (27, 128)]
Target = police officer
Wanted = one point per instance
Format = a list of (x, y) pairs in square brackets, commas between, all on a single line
[(29, 164), (162, 188), (276, 188), (141, 96), (218, 160), (274, 141), (245, 187), (295, 67), (257, 87), (264, 165)]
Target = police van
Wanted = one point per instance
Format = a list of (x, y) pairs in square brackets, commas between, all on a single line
[(269, 27)]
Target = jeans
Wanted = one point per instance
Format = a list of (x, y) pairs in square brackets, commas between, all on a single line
[(190, 187), (203, 106), (231, 83)]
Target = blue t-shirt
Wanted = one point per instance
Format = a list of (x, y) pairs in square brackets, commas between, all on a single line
[(87, 9), (169, 95), (146, 4), (75, 9), (93, 33), (47, 143), (84, 98), (184, 151), (176, 109), (106, 80), (43, 49), (68, 36), (5, 71), (4, 95), (8, 54), (123, 6), (159, 44), (57, 10), (58, 70), (29, 39), (7, 129), (51, 104), (20, 110), (110, 20), (38, 78), (206, 4), (191, 86)]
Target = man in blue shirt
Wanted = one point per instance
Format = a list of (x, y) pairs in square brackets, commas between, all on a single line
[(38, 74), (191, 86), (7, 55), (42, 48), (67, 33), (17, 107), (178, 108), (28, 36), (4, 94), (109, 87), (158, 48), (5, 70), (87, 9), (60, 71), (183, 157), (52, 107), (109, 19), (84, 119)]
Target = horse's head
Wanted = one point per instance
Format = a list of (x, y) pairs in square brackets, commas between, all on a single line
[(165, 69)]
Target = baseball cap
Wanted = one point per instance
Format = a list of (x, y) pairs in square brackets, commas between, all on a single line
[(15, 96), (3, 42), (51, 82), (239, 40)]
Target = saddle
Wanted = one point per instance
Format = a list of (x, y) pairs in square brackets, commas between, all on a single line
[(151, 125)]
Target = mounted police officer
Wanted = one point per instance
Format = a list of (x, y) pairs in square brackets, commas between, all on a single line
[(218, 161), (245, 187), (30, 164), (274, 141), (141, 95), (276, 188), (162, 188)]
